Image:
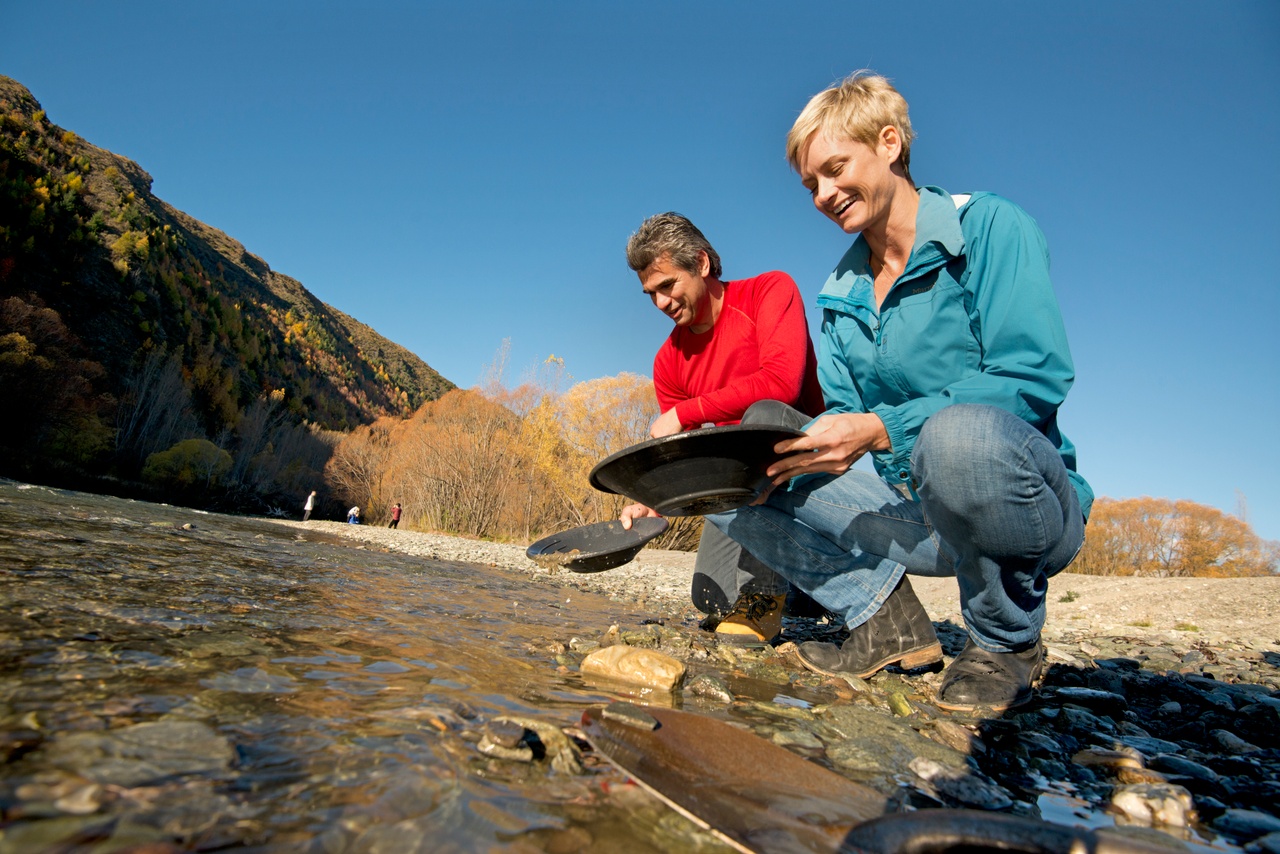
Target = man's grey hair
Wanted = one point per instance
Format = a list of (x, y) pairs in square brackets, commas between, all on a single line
[(673, 235)]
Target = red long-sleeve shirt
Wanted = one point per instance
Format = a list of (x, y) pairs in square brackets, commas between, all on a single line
[(759, 349)]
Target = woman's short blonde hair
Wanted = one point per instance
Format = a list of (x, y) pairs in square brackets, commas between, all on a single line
[(858, 107)]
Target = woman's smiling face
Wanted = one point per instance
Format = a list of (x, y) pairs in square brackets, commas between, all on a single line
[(851, 182)]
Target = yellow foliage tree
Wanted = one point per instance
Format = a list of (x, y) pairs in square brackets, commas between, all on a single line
[(1159, 537)]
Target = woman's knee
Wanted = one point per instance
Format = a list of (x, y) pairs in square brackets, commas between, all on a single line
[(965, 437)]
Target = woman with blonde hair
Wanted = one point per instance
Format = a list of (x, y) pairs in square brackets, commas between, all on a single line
[(942, 355)]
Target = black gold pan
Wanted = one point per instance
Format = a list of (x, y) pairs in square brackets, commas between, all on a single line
[(695, 473), (595, 548)]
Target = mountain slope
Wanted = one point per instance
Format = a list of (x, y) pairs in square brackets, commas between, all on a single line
[(82, 234)]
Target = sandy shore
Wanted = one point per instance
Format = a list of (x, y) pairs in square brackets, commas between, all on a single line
[(1188, 610)]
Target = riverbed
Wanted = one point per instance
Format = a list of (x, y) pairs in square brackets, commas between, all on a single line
[(172, 680), (200, 681)]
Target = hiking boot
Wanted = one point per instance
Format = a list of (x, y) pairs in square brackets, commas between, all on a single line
[(899, 633), (992, 680), (756, 618)]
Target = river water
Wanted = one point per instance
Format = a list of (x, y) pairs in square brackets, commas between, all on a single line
[(175, 680)]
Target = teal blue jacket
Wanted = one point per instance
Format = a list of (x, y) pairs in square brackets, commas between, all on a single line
[(972, 319)]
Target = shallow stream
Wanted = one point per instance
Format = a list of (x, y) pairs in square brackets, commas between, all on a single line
[(192, 681)]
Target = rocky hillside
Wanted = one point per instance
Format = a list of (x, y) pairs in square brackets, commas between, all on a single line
[(82, 235)]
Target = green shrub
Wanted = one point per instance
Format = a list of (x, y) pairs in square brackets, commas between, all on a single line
[(192, 464)]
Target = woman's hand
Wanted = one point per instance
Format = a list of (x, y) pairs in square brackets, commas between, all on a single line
[(666, 424), (635, 511), (832, 445)]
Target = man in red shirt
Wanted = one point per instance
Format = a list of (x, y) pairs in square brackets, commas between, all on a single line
[(734, 343)]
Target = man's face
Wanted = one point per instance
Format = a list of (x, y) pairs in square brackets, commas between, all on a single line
[(677, 293)]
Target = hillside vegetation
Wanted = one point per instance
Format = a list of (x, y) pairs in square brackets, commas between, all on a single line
[(128, 328)]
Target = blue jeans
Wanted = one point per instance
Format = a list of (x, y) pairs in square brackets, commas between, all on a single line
[(993, 506), (724, 569)]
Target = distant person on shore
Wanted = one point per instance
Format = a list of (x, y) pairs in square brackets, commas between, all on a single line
[(943, 355), (395, 516), (309, 506), (353, 516), (734, 343)]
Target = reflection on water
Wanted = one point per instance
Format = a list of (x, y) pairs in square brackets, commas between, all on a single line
[(202, 681)]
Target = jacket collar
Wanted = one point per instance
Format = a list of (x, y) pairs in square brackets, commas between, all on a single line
[(938, 240)]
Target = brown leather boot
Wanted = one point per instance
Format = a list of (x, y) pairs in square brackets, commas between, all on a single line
[(992, 680), (899, 633)]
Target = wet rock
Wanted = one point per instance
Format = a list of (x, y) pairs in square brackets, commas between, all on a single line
[(1112, 759), (963, 786), (647, 668), (252, 680), (1107, 681), (583, 645), (519, 753), (1147, 744), (83, 801), (549, 744), (1232, 743), (1246, 825), (1171, 764), (1158, 804), (796, 738), (866, 740), (955, 736), (1099, 702), (1078, 718), (1039, 744), (710, 686), (505, 733), (142, 753)]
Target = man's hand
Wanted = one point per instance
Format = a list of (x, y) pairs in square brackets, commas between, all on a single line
[(635, 511), (666, 424), (831, 445)]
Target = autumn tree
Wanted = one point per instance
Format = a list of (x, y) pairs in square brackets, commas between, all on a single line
[(1159, 537), (359, 463)]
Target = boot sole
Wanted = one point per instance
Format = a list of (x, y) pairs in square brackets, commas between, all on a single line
[(997, 707), (910, 660), (734, 639)]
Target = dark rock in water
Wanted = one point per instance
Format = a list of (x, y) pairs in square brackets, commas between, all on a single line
[(1172, 764), (631, 715), (1231, 742), (1148, 745), (1246, 824), (965, 787)]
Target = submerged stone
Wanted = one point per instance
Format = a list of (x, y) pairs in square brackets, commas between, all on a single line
[(859, 738), (142, 753)]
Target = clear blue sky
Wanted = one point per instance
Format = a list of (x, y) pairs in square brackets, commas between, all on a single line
[(455, 174)]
